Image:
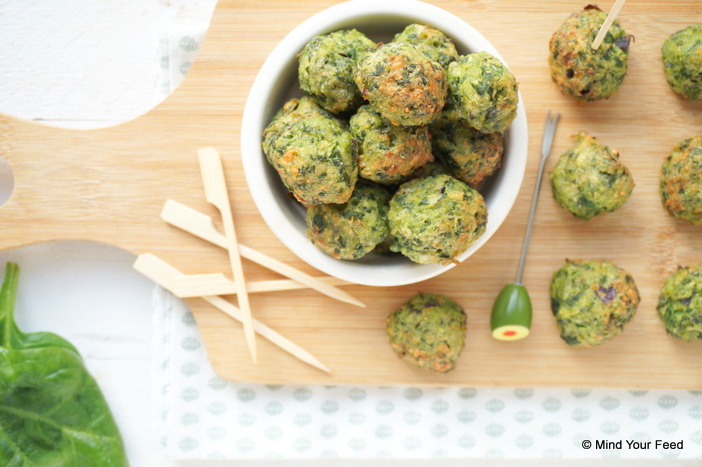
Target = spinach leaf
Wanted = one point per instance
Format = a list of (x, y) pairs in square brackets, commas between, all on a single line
[(52, 412)]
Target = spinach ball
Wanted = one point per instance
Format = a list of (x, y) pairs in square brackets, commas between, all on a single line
[(681, 181), (484, 91), (592, 301), (434, 219), (402, 84), (433, 43), (292, 111), (387, 153), (314, 158), (589, 179), (353, 229), (682, 61), (680, 303), (428, 331), (470, 156), (326, 67), (576, 68)]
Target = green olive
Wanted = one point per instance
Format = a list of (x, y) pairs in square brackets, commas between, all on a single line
[(511, 314)]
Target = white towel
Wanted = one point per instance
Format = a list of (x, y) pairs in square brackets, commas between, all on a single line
[(205, 417)]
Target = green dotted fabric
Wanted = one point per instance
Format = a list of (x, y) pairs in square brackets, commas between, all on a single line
[(204, 417), (177, 53)]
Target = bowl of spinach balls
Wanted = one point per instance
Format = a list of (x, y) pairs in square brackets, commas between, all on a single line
[(384, 142)]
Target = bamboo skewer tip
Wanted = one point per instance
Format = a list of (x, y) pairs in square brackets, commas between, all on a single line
[(607, 23), (216, 194)]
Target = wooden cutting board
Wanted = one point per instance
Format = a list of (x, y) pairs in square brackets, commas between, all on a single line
[(109, 186)]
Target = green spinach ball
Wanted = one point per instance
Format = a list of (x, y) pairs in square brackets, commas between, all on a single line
[(353, 229), (292, 111), (433, 43), (401, 84), (484, 91), (592, 301), (589, 179), (434, 219), (428, 331), (326, 68), (470, 156), (387, 153), (314, 158), (681, 181), (680, 303), (682, 61), (576, 68)]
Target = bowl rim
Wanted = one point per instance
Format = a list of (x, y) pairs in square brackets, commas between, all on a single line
[(344, 15)]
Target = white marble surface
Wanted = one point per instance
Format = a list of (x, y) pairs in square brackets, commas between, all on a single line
[(87, 64)]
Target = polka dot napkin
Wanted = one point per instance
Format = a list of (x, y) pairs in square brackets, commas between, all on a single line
[(177, 53), (202, 416)]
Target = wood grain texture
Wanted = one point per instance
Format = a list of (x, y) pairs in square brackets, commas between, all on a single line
[(110, 185)]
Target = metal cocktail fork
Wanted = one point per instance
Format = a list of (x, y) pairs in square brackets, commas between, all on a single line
[(511, 314)]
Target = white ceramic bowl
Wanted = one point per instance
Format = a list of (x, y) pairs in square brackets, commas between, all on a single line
[(277, 82)]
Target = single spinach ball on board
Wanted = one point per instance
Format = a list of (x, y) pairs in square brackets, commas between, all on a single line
[(434, 219), (589, 179), (434, 44), (681, 180), (428, 331), (680, 303), (326, 67), (292, 111), (353, 229), (682, 61), (484, 91), (592, 301), (576, 68), (470, 156), (401, 84), (314, 158), (387, 153)]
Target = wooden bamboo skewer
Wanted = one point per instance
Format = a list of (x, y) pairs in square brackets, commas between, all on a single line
[(200, 225), (163, 273), (607, 23), (200, 285), (216, 194)]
